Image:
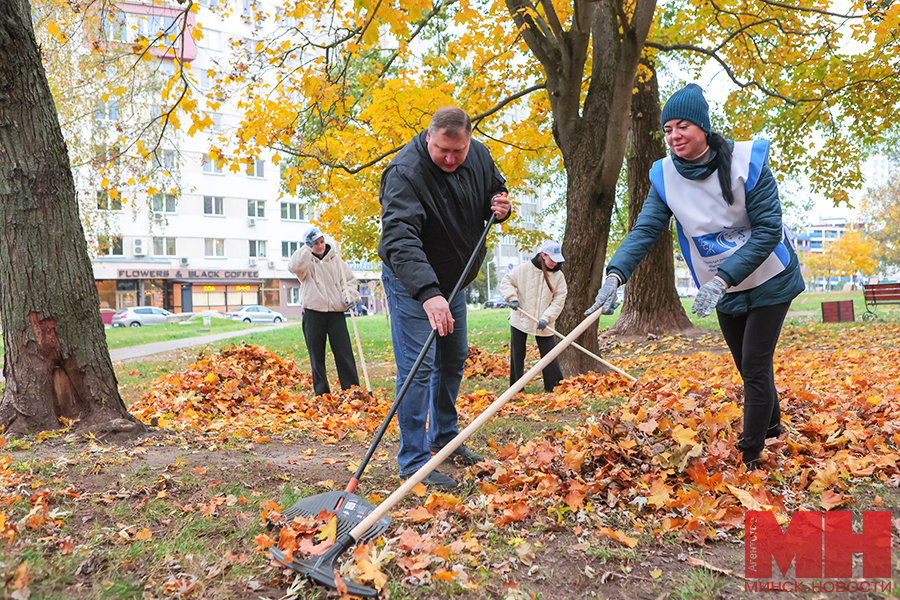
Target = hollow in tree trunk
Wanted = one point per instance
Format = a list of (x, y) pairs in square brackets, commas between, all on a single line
[(57, 364)]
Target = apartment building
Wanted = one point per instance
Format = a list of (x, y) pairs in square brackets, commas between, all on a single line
[(226, 239), (506, 255)]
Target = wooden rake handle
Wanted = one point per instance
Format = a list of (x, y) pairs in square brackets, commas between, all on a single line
[(582, 348), (362, 358), (474, 426)]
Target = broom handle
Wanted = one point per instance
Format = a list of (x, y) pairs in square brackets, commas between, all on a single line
[(362, 358), (582, 348), (474, 426)]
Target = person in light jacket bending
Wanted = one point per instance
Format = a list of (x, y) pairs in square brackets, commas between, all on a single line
[(539, 288), (328, 288)]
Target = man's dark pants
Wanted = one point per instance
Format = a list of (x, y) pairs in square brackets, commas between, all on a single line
[(317, 327)]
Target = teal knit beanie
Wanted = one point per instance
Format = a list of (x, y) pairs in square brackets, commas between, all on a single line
[(689, 104)]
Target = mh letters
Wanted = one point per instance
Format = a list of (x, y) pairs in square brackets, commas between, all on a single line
[(819, 544)]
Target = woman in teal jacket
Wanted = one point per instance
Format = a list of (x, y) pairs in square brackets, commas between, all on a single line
[(728, 217)]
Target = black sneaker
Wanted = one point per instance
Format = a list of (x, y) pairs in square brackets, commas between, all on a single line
[(463, 455), (436, 479)]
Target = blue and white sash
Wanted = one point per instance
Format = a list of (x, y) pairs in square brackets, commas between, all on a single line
[(709, 230)]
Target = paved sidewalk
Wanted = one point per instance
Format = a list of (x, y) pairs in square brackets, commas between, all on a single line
[(133, 352)]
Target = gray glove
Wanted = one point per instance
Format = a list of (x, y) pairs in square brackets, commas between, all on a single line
[(311, 236), (349, 303), (708, 297), (514, 304), (542, 324), (606, 297)]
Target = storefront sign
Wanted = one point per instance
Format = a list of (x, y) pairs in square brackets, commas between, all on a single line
[(184, 274)]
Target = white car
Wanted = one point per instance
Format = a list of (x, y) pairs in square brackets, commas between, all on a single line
[(135, 316), (255, 314)]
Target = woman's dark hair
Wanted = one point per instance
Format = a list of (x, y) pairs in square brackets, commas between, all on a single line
[(546, 274), (723, 156)]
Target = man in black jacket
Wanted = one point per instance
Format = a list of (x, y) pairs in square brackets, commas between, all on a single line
[(436, 196)]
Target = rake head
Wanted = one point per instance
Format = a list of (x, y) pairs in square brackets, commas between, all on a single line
[(349, 508), (322, 569)]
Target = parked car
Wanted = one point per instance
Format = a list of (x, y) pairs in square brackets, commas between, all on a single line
[(136, 316), (361, 310), (254, 314), (496, 303)]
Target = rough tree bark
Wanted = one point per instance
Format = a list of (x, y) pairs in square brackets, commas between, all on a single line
[(592, 135), (57, 363), (651, 301)]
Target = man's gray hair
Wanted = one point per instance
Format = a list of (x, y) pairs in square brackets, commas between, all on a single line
[(451, 121)]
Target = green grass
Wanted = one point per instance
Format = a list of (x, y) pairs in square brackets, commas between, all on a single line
[(487, 329), (122, 337)]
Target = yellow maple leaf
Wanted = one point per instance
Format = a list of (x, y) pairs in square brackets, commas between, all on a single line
[(329, 532)]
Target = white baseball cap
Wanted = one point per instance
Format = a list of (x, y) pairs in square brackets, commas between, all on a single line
[(553, 250)]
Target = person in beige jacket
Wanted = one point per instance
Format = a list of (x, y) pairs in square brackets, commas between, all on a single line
[(539, 288), (328, 289)]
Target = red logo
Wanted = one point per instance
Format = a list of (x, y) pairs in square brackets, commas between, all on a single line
[(821, 545)]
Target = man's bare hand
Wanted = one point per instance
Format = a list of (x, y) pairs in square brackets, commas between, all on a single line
[(501, 205), (438, 311)]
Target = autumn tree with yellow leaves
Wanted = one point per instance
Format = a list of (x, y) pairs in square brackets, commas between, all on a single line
[(881, 207), (549, 84), (846, 256)]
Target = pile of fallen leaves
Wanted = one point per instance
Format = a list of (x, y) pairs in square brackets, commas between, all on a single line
[(665, 462), (249, 391), (481, 363)]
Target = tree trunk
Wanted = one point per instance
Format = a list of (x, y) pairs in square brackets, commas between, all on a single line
[(651, 301), (592, 137), (57, 364)]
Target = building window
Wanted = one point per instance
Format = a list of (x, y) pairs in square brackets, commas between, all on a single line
[(209, 3), (115, 28), (292, 211), (213, 205), (110, 246), (106, 112), (210, 167), (257, 248), (106, 155), (163, 246), (163, 203), (256, 208), (271, 292), (293, 296), (165, 159), (288, 248), (211, 40), (257, 168), (206, 79), (155, 28), (217, 122), (104, 202), (214, 248)]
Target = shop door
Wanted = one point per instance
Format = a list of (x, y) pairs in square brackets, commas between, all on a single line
[(187, 299)]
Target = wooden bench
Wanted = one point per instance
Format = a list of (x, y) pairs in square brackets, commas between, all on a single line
[(880, 294)]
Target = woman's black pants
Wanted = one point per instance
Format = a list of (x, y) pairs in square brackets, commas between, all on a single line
[(552, 373), (752, 338), (317, 327)]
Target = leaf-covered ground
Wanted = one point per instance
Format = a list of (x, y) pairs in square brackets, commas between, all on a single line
[(601, 489)]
